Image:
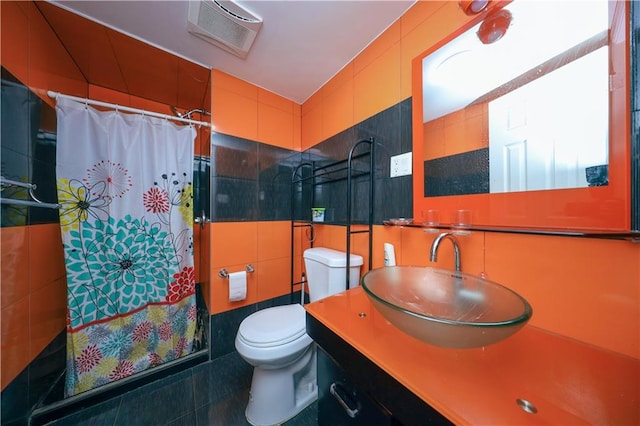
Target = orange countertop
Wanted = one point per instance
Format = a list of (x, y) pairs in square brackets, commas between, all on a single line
[(569, 382)]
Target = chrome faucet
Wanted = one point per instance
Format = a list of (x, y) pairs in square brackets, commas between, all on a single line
[(436, 243)]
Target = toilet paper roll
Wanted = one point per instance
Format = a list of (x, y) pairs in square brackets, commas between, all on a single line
[(237, 286)]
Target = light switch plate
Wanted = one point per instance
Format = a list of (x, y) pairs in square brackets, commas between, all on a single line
[(401, 165)]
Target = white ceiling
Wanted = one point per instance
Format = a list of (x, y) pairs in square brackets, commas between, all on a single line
[(301, 45)]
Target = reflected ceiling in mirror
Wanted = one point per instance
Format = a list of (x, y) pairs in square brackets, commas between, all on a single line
[(519, 102)]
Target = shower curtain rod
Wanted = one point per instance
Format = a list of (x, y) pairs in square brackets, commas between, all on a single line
[(57, 95)]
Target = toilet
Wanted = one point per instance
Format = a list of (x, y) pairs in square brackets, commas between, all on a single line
[(274, 341)]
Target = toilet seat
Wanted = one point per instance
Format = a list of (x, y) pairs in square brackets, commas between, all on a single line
[(274, 326)]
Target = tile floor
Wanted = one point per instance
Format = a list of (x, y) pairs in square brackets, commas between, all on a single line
[(213, 393)]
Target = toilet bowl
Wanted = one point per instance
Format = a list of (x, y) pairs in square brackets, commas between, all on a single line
[(274, 341)]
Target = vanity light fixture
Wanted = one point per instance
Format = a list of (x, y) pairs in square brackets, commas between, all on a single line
[(473, 7), (494, 27)]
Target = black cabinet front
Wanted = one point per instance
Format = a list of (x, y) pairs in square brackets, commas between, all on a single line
[(340, 402)]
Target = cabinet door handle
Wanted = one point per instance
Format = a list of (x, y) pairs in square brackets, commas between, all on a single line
[(351, 412)]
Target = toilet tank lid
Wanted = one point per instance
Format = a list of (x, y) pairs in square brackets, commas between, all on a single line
[(332, 258)]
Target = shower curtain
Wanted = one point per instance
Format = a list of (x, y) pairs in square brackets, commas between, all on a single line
[(125, 190)]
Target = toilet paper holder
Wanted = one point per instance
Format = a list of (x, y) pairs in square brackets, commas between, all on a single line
[(223, 273)]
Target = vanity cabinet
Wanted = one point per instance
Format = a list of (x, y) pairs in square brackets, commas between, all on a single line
[(369, 394)]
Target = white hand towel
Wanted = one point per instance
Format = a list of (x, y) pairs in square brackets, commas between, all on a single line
[(237, 286)]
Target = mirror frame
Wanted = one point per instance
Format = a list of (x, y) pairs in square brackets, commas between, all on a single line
[(603, 208)]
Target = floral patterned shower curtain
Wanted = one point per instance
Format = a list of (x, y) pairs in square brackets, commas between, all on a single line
[(124, 185)]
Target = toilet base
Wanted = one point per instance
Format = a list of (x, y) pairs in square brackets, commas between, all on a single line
[(279, 395)]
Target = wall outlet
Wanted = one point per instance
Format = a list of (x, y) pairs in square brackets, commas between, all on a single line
[(401, 165)]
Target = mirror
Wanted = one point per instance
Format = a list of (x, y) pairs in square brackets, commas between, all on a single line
[(537, 120), (521, 107)]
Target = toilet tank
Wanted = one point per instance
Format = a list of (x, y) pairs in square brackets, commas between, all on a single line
[(326, 271)]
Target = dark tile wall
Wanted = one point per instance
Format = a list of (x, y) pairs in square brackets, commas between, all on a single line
[(275, 166), (34, 382), (224, 326), (27, 153), (391, 132), (442, 176), (250, 181), (201, 188)]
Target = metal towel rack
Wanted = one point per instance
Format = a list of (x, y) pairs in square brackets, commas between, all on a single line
[(34, 202)]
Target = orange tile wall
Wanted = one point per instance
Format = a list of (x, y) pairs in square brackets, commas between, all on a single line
[(586, 289), (244, 110), (33, 307), (380, 76), (34, 286), (264, 245), (564, 278), (31, 51), (377, 79)]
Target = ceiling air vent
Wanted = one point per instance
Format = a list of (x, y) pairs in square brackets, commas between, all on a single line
[(224, 24)]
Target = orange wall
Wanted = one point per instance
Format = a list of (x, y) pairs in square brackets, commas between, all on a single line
[(564, 278), (586, 289), (244, 110), (31, 52), (34, 294), (380, 76), (264, 245), (33, 307), (33, 276)]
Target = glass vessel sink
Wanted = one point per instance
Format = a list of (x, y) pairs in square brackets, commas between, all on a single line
[(446, 308)]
